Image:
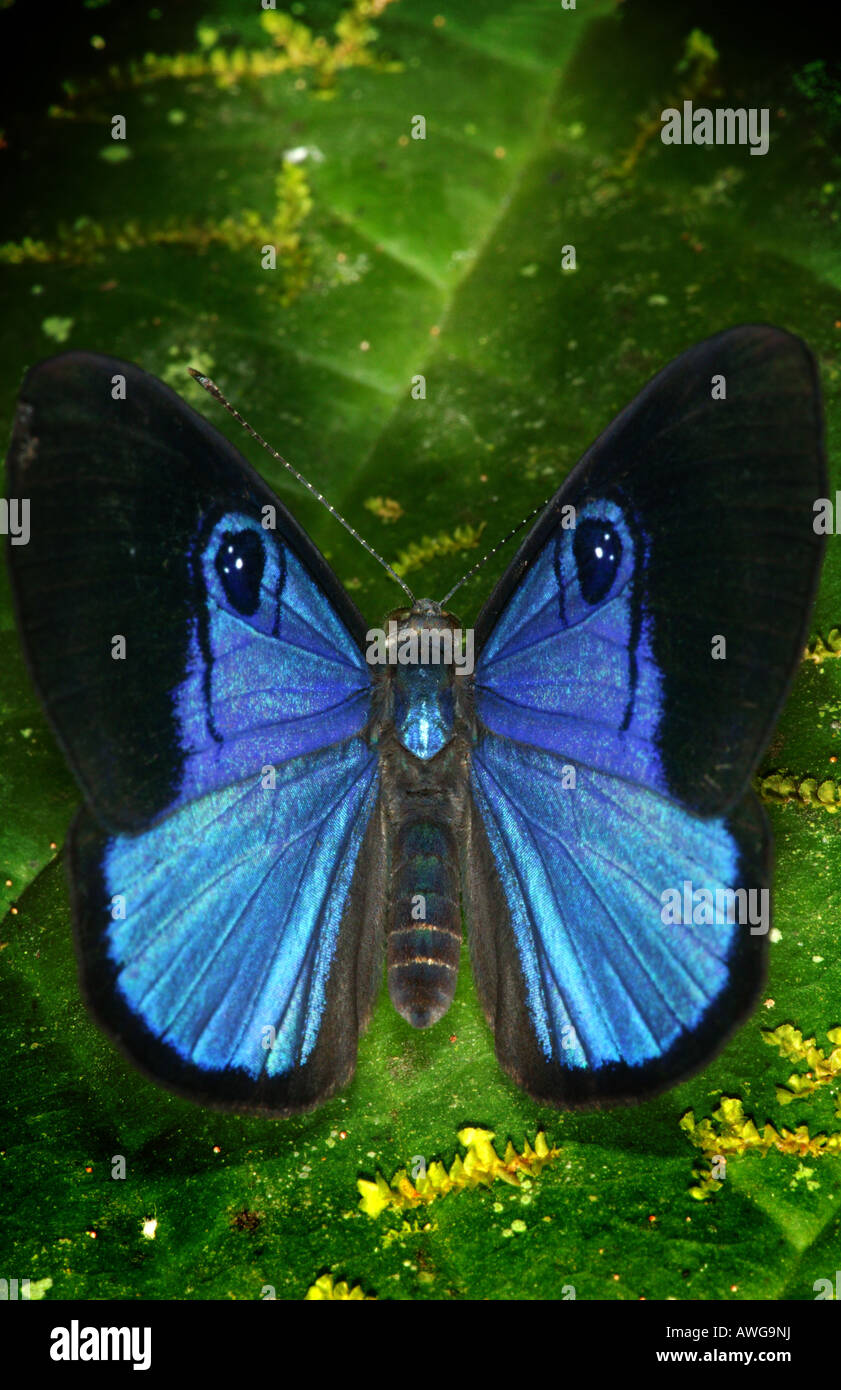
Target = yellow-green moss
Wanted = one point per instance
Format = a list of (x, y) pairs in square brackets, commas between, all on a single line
[(730, 1132), (293, 48), (819, 650), (781, 787), (420, 553), (386, 508), (325, 1291), (823, 1069), (86, 240), (480, 1167), (699, 69)]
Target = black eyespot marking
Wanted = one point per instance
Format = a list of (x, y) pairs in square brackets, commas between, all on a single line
[(598, 553), (240, 561)]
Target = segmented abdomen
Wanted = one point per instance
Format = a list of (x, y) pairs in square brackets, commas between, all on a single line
[(424, 937)]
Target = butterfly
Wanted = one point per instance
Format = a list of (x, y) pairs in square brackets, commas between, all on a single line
[(267, 813)]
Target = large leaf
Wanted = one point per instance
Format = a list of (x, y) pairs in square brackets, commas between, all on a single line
[(400, 258)]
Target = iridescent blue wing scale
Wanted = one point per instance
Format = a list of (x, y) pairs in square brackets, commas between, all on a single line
[(204, 672), (617, 736), (598, 1000), (247, 984)]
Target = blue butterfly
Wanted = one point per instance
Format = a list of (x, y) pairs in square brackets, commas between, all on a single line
[(267, 810)]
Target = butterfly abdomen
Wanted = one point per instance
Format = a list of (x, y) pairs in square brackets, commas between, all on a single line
[(424, 937)]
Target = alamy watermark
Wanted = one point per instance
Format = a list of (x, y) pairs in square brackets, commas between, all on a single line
[(14, 519), (824, 1289), (83, 1343), (425, 646), (688, 906), (723, 126), (11, 1289)]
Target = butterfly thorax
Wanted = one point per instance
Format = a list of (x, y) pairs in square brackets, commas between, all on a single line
[(423, 729), (425, 660)]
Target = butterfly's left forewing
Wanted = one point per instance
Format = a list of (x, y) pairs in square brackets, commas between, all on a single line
[(632, 663), (203, 671)]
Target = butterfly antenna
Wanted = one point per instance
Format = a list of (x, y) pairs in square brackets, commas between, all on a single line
[(498, 546), (213, 390)]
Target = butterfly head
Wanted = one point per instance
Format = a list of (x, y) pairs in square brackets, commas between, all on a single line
[(422, 609), (424, 627)]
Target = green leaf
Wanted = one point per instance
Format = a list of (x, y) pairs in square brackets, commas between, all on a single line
[(400, 258)]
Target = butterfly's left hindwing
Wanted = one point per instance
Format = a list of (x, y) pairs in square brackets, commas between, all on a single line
[(234, 950), (631, 668), (203, 671)]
